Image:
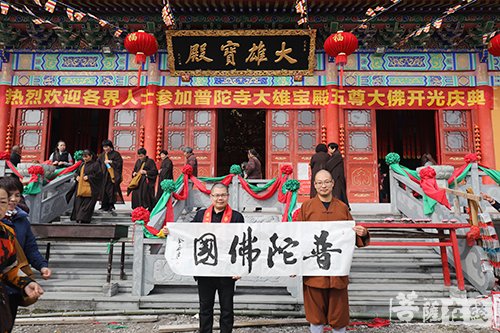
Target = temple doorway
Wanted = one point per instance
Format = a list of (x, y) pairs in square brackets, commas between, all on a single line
[(410, 133), (239, 130), (79, 128)]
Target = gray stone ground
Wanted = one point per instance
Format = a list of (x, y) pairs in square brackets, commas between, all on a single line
[(183, 319)]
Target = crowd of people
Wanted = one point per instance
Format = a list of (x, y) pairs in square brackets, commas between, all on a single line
[(99, 178)]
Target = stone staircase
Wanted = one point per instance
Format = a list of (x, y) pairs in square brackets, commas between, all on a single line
[(378, 275)]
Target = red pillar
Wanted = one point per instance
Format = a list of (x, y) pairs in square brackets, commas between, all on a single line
[(4, 115), (484, 119), (332, 110), (150, 116), (151, 122)]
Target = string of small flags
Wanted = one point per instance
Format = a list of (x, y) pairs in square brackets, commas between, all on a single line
[(437, 23), (301, 8), (167, 15), (5, 6), (372, 13), (488, 36), (78, 15)]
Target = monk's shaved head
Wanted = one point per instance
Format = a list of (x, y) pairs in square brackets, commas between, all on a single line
[(323, 175)]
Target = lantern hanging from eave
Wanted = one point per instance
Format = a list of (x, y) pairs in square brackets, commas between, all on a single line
[(340, 45), (494, 46), (142, 45)]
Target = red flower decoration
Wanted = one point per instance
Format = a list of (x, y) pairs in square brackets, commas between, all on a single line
[(287, 169), (187, 170), (427, 173), (36, 170), (472, 235), (295, 215), (4, 156), (470, 158), (140, 214)]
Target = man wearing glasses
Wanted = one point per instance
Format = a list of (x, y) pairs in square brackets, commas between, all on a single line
[(218, 212), (325, 297)]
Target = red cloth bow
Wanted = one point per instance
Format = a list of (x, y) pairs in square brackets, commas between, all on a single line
[(36, 170), (140, 214), (430, 187), (473, 234), (470, 158), (287, 169), (187, 169)]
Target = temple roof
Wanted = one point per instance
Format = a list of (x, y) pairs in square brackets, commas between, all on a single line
[(462, 30)]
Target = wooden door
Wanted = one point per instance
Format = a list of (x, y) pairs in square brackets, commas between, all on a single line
[(191, 128), (455, 138), (291, 139), (31, 133), (361, 156), (124, 127)]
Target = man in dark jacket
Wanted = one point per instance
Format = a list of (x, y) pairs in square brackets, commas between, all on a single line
[(144, 194), (15, 155), (336, 167), (166, 171), (191, 160), (318, 162)]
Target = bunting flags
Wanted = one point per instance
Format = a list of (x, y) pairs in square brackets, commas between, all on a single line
[(38, 3), (5, 8), (103, 23), (301, 8), (437, 24), (70, 12), (38, 21), (79, 16), (118, 33), (166, 14), (370, 12), (50, 6)]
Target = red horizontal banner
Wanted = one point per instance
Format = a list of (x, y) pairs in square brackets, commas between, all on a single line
[(251, 97)]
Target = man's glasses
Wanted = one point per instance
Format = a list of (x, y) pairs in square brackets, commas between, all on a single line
[(217, 196), (326, 183)]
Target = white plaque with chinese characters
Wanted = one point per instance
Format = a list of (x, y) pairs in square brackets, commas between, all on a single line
[(261, 249)]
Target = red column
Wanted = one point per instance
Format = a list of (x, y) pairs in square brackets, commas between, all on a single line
[(150, 116), (484, 119), (4, 115), (332, 110), (151, 122)]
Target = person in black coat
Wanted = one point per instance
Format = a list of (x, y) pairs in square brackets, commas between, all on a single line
[(318, 162), (166, 172), (336, 167), (144, 194)]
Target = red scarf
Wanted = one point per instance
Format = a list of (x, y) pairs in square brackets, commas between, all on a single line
[(226, 217)]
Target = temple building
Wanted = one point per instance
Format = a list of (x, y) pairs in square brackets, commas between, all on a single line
[(435, 92)]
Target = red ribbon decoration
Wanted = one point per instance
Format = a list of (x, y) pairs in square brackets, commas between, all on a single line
[(430, 187), (71, 168), (6, 157), (375, 323), (264, 196), (288, 196)]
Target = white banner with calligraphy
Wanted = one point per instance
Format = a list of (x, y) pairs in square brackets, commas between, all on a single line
[(261, 249)]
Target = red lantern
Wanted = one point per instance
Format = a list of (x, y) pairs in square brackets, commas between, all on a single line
[(494, 46), (142, 45), (340, 45)]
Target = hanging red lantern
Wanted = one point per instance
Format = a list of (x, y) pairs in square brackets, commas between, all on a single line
[(142, 45), (340, 45), (494, 46)]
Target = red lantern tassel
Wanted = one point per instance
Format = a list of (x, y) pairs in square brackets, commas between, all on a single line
[(140, 58), (341, 60)]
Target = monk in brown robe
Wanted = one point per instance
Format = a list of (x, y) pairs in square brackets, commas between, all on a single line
[(325, 297)]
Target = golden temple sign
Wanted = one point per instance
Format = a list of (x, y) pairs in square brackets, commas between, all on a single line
[(241, 52)]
